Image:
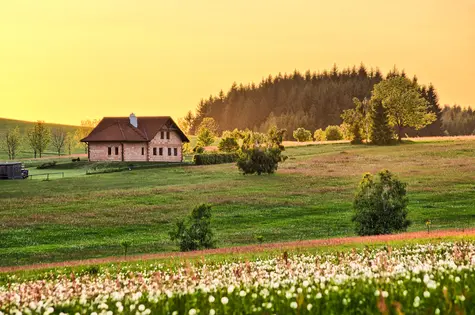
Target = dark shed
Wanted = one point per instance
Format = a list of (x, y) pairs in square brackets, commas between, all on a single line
[(10, 170)]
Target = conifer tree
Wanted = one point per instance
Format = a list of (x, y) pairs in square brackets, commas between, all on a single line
[(381, 132)]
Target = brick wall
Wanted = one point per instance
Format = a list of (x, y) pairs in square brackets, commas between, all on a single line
[(100, 151), (133, 151), (173, 143)]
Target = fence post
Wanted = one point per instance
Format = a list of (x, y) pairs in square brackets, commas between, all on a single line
[(47, 176)]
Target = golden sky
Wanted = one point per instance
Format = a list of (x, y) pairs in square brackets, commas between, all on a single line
[(68, 60)]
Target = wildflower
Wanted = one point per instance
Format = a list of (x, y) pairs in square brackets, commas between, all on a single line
[(318, 296), (141, 307), (417, 301), (462, 298), (293, 305), (212, 312), (437, 311), (376, 293), (309, 307), (192, 311), (242, 293), (385, 294), (305, 283), (211, 299), (224, 300), (269, 305), (426, 294), (457, 279), (230, 289)]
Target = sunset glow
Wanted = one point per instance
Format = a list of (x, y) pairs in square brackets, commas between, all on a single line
[(64, 61)]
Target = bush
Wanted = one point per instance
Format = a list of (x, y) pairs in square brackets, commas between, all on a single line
[(333, 133), (260, 160), (198, 149), (215, 158), (228, 144), (194, 232), (319, 135), (302, 135), (380, 206), (46, 165)]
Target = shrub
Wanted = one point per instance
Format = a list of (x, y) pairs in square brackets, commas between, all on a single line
[(194, 232), (215, 158), (228, 144), (260, 160), (46, 165), (333, 133), (198, 149), (319, 135), (380, 206), (302, 135)]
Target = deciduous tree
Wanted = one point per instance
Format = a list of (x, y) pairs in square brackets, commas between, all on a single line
[(11, 142), (405, 105), (58, 139), (39, 136)]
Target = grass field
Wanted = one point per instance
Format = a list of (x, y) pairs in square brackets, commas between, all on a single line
[(310, 197)]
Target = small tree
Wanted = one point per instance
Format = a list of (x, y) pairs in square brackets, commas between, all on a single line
[(125, 245), (333, 133), (381, 132), (83, 131), (205, 137), (69, 142), (194, 232), (302, 135), (228, 144), (210, 124), (11, 142), (39, 137), (380, 206), (319, 135), (58, 139)]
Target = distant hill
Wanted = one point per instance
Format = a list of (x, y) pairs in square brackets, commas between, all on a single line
[(311, 100), (25, 151)]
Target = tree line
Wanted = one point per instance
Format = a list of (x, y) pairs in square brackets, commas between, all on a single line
[(40, 137), (311, 100)]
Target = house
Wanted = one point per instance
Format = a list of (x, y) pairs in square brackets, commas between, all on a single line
[(155, 139)]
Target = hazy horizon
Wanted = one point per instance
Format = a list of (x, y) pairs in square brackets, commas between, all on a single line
[(63, 62)]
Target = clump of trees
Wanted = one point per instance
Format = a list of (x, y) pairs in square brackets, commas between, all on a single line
[(194, 232), (380, 205), (457, 121)]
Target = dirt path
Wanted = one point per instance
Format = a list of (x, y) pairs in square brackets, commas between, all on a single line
[(253, 248)]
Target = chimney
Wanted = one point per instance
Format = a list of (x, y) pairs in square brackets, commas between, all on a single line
[(133, 120)]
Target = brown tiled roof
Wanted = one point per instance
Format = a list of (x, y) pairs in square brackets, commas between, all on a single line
[(119, 129)]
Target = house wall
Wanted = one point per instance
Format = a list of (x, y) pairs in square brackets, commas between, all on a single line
[(133, 151), (99, 151), (173, 142)]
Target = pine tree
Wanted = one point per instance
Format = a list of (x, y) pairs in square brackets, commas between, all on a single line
[(381, 132)]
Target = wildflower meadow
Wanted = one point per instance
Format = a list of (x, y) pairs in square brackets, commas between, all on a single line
[(437, 278)]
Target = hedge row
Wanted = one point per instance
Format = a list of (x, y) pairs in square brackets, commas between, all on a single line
[(215, 158)]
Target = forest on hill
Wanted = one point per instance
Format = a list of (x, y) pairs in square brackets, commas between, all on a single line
[(314, 100)]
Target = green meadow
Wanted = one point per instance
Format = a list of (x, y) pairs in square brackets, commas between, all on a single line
[(84, 216)]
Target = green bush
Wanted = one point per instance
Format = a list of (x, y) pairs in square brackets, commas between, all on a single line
[(333, 133), (194, 232), (260, 160), (319, 135), (228, 144), (302, 135), (215, 158), (380, 206)]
